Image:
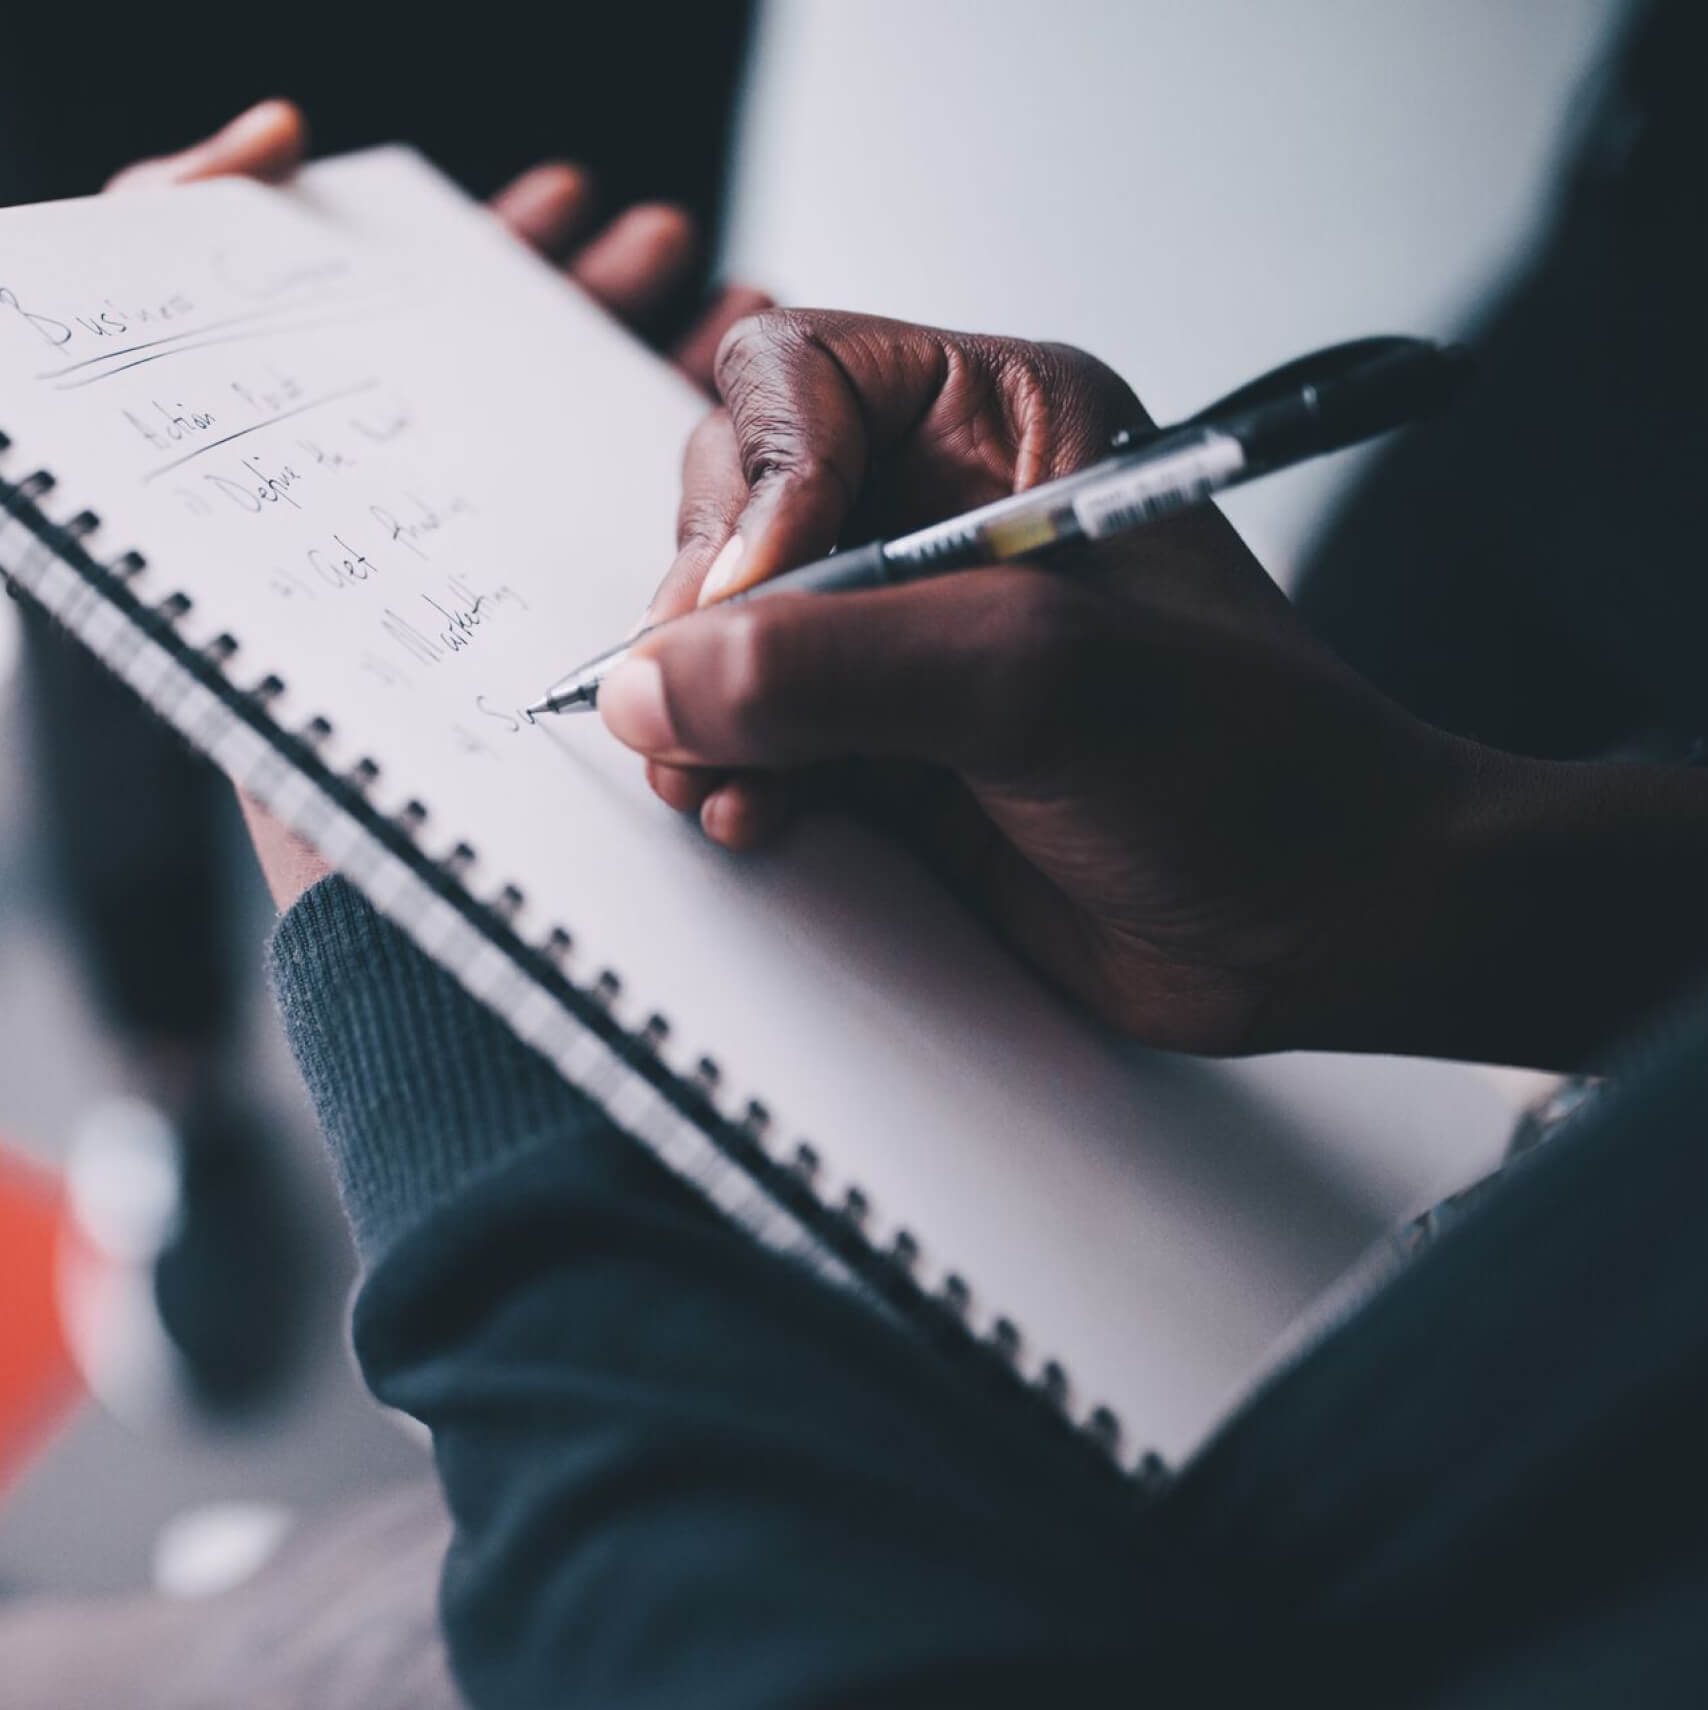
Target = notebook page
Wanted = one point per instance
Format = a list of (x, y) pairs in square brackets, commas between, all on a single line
[(416, 476)]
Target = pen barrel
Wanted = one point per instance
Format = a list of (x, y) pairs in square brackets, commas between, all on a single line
[(1316, 404), (840, 573), (1385, 392)]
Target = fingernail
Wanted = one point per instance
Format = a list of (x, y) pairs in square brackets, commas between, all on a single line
[(250, 127), (632, 704), (717, 814), (721, 577)]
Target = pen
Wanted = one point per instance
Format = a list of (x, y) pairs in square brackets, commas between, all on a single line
[(1318, 403)]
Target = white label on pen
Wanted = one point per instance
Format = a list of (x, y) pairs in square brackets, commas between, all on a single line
[(1154, 489)]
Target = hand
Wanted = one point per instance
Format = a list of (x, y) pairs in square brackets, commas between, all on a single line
[(633, 266), (1136, 774), (838, 424), (1149, 776)]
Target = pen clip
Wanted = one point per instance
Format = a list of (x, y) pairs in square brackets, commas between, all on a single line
[(1316, 369), (1126, 439)]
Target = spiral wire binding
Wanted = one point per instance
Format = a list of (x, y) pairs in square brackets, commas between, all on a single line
[(776, 1193)]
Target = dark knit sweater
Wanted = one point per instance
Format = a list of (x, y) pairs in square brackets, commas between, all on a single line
[(684, 1472)]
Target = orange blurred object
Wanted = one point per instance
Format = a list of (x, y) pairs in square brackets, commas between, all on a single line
[(39, 1381)]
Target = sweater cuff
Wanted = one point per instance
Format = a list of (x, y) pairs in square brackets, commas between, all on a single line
[(420, 1089)]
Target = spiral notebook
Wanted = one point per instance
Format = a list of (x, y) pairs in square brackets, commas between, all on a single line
[(338, 477)]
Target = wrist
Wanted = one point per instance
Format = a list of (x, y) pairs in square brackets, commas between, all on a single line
[(419, 1088), (1536, 911)]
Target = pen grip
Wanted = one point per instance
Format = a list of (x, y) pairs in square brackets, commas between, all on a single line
[(840, 573)]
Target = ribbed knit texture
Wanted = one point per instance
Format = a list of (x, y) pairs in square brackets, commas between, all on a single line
[(683, 1472), (419, 1089)]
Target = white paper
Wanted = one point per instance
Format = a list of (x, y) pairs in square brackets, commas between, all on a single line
[(417, 476)]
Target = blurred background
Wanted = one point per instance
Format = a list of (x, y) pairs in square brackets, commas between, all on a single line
[(1192, 192)]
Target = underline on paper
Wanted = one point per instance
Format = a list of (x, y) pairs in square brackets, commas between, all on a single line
[(174, 338), (271, 330), (255, 427)]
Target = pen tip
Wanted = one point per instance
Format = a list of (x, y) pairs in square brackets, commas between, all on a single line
[(582, 699)]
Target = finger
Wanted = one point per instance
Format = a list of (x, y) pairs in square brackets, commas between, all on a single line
[(1059, 407), (758, 808), (713, 494), (817, 395), (638, 262), (681, 787), (547, 206), (746, 812), (800, 444), (697, 352), (266, 142), (988, 672), (289, 865)]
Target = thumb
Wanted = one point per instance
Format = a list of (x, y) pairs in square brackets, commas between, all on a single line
[(267, 141), (985, 671)]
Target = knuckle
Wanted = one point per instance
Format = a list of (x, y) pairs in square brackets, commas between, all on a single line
[(790, 399), (774, 460), (1095, 398), (1064, 406), (753, 339), (770, 447), (701, 522), (713, 490), (1068, 363), (701, 530)]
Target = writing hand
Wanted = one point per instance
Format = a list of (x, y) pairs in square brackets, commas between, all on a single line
[(633, 265), (1150, 777)]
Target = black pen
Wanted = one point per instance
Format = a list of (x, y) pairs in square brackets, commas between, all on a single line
[(1318, 403)]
